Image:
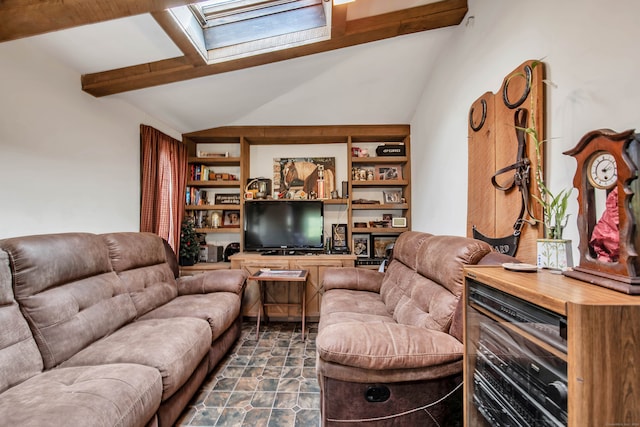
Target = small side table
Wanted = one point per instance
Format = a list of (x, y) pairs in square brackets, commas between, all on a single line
[(298, 277)]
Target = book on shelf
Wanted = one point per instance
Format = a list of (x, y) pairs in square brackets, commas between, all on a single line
[(196, 197), (200, 173), (199, 218)]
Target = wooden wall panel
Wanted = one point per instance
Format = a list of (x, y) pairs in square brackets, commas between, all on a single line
[(481, 198), (493, 144)]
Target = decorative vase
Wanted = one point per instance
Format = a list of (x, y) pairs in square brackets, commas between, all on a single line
[(554, 254)]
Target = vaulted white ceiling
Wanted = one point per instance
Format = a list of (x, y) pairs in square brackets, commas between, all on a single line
[(376, 82)]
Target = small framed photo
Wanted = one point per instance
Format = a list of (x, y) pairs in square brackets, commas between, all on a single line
[(361, 246), (380, 244), (339, 237), (231, 218), (388, 172), (399, 222), (392, 196)]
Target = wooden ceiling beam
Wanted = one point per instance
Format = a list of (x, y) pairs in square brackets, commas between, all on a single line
[(25, 18), (176, 33), (422, 18), (338, 20)]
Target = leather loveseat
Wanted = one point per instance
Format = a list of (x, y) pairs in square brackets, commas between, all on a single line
[(389, 345), (98, 330)]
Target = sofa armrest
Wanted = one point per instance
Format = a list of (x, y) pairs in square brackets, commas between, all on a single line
[(213, 281), (358, 279), (457, 325)]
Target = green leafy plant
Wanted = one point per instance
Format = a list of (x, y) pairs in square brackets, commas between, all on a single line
[(554, 206), (189, 243)]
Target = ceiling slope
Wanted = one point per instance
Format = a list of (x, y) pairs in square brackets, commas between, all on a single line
[(347, 33), (24, 18)]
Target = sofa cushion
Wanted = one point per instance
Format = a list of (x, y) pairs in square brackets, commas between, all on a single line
[(352, 318), (396, 283), (67, 291), (108, 395), (407, 245), (427, 305), (130, 250), (350, 301), (386, 346), (219, 309), (443, 257), (173, 346), (148, 293), (140, 260), (19, 355)]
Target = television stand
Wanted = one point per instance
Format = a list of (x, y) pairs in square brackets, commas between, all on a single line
[(279, 252), (288, 252), (270, 253)]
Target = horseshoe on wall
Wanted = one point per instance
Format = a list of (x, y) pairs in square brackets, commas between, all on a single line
[(482, 119), (527, 89)]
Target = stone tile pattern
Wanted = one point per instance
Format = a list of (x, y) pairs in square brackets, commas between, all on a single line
[(266, 381)]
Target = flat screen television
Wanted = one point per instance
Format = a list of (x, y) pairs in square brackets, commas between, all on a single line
[(283, 226)]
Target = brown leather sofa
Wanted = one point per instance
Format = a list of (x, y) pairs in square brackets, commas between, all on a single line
[(389, 345), (98, 330)]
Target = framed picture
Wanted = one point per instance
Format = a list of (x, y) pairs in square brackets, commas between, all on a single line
[(380, 244), (339, 237), (399, 222), (292, 174), (227, 199), (389, 172), (231, 218), (363, 173), (386, 219), (361, 246), (392, 196)]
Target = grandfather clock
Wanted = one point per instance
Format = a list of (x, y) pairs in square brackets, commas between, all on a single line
[(609, 209)]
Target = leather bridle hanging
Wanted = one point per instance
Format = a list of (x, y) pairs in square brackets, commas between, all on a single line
[(521, 180)]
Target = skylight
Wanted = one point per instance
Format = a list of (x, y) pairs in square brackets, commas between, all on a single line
[(233, 29)]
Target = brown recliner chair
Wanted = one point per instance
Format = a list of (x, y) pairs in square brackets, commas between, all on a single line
[(389, 345)]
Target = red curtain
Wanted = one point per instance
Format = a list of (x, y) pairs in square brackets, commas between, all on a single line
[(163, 169)]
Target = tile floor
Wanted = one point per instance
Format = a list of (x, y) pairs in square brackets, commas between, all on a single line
[(270, 381)]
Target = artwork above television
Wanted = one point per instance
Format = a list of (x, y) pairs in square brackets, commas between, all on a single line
[(284, 226), (314, 177)]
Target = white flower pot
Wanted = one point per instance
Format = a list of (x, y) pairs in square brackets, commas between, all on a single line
[(554, 254)]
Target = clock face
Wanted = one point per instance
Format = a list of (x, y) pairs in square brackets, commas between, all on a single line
[(602, 170)]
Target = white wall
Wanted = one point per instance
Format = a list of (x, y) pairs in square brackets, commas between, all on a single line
[(590, 51), (68, 161)]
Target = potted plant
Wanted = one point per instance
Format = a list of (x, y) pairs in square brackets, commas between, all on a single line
[(189, 243), (553, 251)]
